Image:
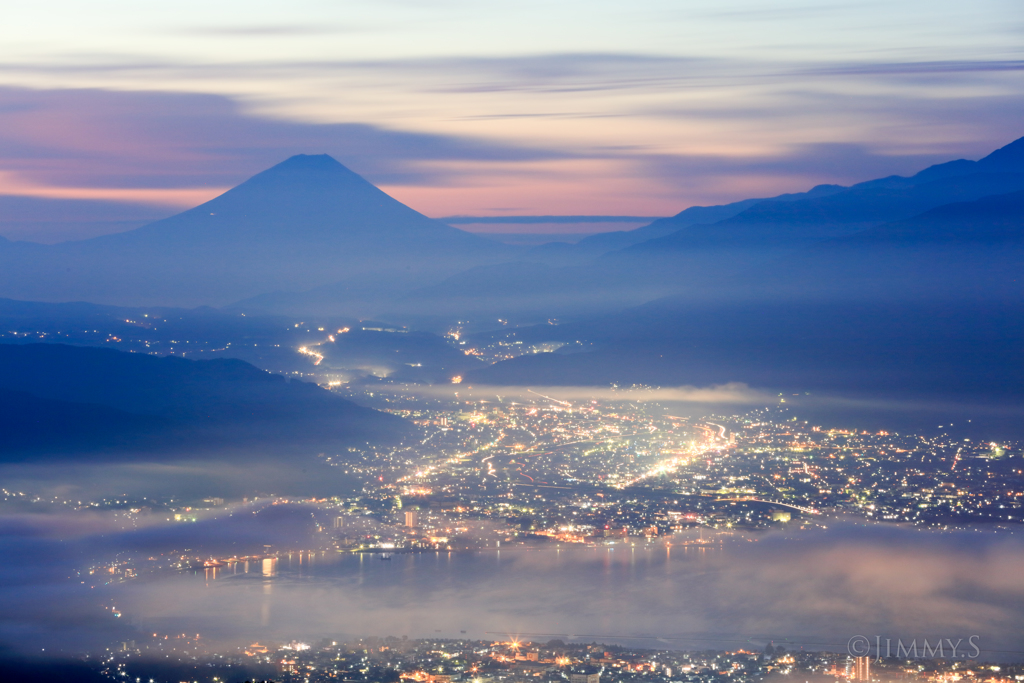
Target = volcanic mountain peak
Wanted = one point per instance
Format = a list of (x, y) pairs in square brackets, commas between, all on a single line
[(304, 223), (309, 170), (306, 188), (307, 202), (317, 162)]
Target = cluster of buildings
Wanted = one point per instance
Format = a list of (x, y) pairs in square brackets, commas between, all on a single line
[(538, 468), (404, 660), (486, 473)]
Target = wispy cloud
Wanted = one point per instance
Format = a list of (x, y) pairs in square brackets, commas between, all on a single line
[(14, 185), (573, 107), (616, 133), (732, 394), (179, 150), (264, 31), (915, 68)]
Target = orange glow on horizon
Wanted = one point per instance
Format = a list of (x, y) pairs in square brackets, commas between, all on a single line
[(559, 191), (180, 197)]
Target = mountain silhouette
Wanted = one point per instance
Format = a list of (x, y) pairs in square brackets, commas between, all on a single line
[(56, 397), (993, 220), (306, 222), (310, 235), (931, 305), (783, 224), (960, 251), (791, 245)]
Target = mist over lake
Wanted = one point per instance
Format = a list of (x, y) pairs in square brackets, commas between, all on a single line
[(815, 592)]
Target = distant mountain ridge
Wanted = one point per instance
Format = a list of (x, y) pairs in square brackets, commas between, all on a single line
[(900, 286), (927, 305), (695, 215), (310, 235), (995, 219), (766, 248), (839, 211), (961, 251)]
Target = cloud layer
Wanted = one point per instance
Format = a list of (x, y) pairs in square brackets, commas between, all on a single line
[(458, 107), (816, 590), (557, 134)]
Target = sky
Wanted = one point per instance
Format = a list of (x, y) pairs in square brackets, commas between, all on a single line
[(485, 108)]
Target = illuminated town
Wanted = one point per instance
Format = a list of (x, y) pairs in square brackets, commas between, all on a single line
[(514, 659), (541, 470), (490, 472)]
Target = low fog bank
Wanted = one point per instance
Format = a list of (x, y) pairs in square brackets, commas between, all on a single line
[(986, 420), (961, 417), (730, 394), (51, 602), (814, 590), (184, 476), (927, 351), (991, 420)]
